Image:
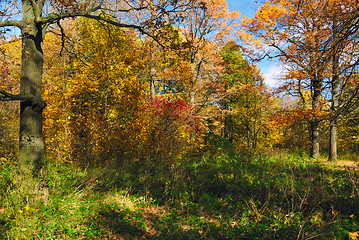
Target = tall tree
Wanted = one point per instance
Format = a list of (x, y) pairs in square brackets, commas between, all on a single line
[(290, 28), (246, 103), (36, 16), (213, 21), (342, 46), (306, 37)]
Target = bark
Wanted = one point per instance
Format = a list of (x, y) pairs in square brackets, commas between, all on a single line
[(315, 153), (333, 152), (32, 147), (152, 63), (152, 88), (314, 123)]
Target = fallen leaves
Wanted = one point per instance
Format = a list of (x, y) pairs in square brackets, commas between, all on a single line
[(353, 235)]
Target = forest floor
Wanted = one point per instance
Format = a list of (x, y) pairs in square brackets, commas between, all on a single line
[(217, 197), (340, 164)]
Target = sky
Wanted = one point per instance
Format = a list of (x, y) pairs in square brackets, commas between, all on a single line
[(270, 69)]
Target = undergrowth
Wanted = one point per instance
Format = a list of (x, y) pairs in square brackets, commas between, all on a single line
[(212, 198)]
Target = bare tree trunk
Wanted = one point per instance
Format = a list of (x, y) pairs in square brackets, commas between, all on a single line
[(314, 123), (32, 147), (315, 153), (152, 87), (333, 148), (333, 152)]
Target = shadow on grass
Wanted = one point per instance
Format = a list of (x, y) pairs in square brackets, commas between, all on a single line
[(151, 226), (248, 199), (216, 198), (4, 227)]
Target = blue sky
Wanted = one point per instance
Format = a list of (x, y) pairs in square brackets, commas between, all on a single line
[(270, 69), (246, 7)]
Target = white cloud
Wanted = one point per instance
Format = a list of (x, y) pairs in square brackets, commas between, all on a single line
[(272, 73)]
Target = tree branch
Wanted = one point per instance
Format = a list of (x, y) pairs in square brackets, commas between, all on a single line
[(62, 36), (37, 104), (36, 10), (54, 17), (11, 23)]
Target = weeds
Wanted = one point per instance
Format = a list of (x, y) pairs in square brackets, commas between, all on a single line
[(212, 198)]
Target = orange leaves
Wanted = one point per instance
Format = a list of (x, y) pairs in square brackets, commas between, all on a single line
[(209, 17), (70, 5), (300, 116), (264, 24)]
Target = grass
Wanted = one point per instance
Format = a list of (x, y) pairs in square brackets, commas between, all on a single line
[(211, 198)]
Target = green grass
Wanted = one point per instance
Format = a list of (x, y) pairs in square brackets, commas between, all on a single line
[(211, 198)]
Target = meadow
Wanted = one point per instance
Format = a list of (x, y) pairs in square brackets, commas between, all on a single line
[(284, 196)]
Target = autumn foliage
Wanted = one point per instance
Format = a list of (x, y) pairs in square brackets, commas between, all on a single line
[(150, 119), (114, 95)]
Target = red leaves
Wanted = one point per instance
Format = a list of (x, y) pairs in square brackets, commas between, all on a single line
[(167, 107), (169, 110), (5, 84), (4, 71)]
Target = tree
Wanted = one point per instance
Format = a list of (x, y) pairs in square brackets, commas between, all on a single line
[(246, 103), (306, 36), (182, 54), (342, 46), (36, 17), (213, 21), (106, 92), (290, 29)]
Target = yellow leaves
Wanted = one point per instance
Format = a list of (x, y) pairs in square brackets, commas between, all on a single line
[(25, 210), (104, 97), (263, 28), (268, 16)]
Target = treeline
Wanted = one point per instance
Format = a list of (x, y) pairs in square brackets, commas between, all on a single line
[(317, 43), (114, 95), (117, 96)]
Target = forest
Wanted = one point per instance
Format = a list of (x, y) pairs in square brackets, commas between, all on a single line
[(150, 119)]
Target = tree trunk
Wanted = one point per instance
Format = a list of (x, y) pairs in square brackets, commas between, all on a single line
[(152, 86), (333, 154), (315, 153), (152, 73), (32, 148), (314, 123), (228, 128)]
